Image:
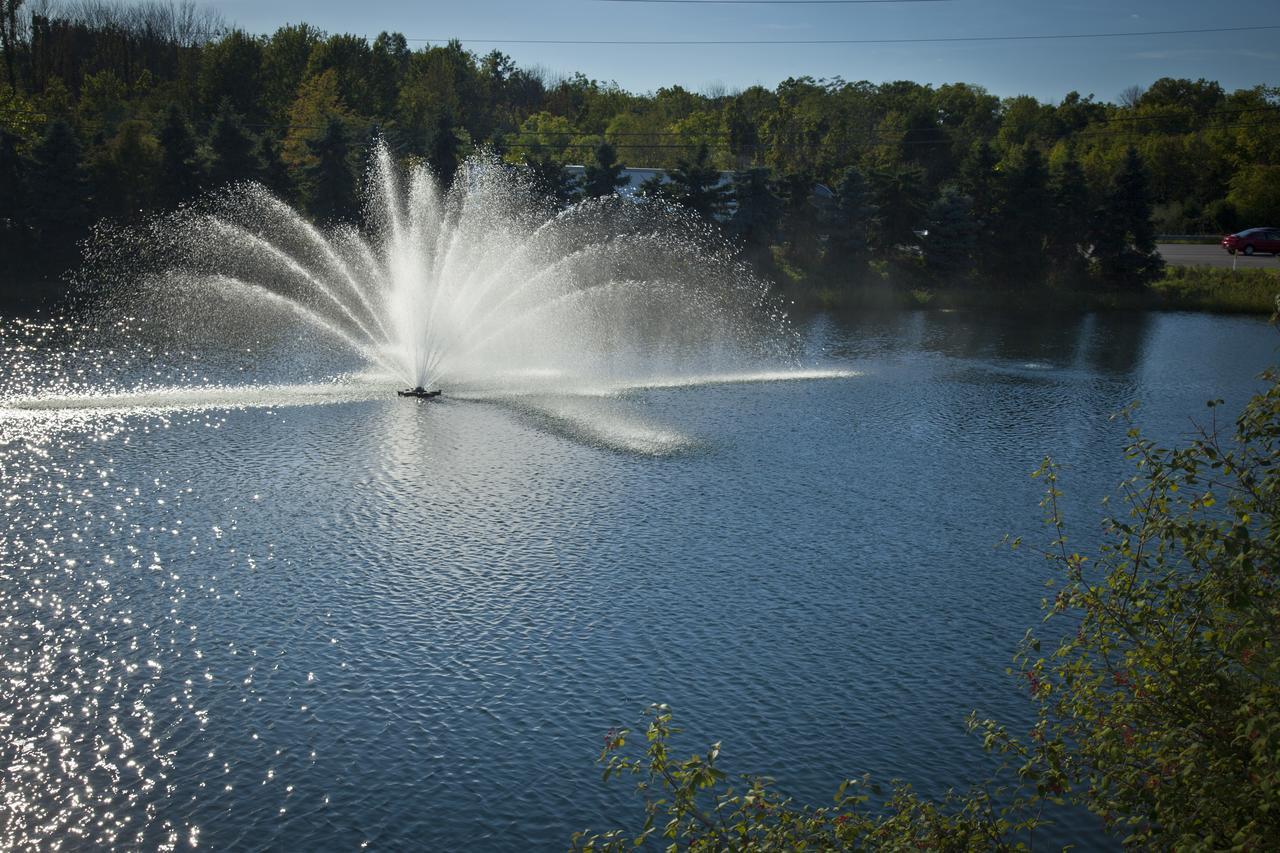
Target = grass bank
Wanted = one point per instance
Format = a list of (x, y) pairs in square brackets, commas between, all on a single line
[(1224, 291), (1221, 291)]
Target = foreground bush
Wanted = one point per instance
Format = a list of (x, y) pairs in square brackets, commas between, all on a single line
[(1158, 709)]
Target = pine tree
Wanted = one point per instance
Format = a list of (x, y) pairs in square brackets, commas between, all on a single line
[(443, 150), (1023, 220), (604, 176), (980, 180), (231, 148), (125, 171), (180, 169), (551, 180), (1070, 198), (59, 211), (899, 195), (849, 223), (952, 241), (13, 197), (695, 184), (759, 213), (800, 225), (331, 186), (1124, 240), (274, 173)]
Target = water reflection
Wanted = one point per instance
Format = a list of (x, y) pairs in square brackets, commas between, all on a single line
[(1115, 343)]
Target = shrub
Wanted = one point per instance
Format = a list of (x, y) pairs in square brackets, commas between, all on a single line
[(1158, 709)]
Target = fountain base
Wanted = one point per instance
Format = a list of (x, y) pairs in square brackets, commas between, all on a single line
[(419, 392)]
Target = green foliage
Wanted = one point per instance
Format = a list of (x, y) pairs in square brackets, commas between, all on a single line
[(60, 209), (1124, 240), (695, 184), (759, 212), (849, 224), (274, 173), (1255, 194), (180, 167), (1026, 209), (231, 70), (13, 195), (603, 177), (542, 136), (1210, 156), (1069, 221), (1160, 710), (1242, 291), (952, 239), (444, 152), (692, 804), (800, 220), (125, 171), (231, 149), (899, 194), (1157, 705), (551, 180), (330, 183)]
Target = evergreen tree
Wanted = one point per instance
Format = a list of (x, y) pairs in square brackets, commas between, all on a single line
[(14, 211), (759, 213), (275, 174), (800, 223), (331, 186), (180, 171), (604, 176), (952, 239), (551, 180), (1070, 227), (848, 225), (1124, 240), (979, 179), (9, 37), (1025, 209), (655, 187), (695, 184), (59, 211), (125, 171), (443, 150), (231, 149), (898, 192)]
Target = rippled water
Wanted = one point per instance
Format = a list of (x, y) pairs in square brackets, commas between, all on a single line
[(318, 617)]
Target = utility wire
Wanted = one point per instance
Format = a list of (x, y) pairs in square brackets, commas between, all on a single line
[(773, 2)]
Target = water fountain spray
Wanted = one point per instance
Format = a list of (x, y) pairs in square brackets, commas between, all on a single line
[(481, 287)]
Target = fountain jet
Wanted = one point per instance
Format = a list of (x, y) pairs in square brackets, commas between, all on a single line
[(483, 286)]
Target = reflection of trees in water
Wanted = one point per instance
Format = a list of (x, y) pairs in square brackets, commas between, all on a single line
[(1111, 343), (1115, 342)]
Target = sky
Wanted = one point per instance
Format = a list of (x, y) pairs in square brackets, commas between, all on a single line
[(1047, 69)]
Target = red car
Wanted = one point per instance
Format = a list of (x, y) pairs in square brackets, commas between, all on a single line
[(1266, 240)]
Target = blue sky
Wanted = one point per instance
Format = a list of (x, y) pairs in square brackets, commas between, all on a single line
[(1046, 69)]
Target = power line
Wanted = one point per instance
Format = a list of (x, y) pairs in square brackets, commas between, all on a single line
[(914, 40), (773, 2)]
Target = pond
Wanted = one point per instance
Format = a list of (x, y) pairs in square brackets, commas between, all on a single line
[(319, 618)]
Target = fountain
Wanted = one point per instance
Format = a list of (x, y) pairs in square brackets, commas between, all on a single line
[(481, 288)]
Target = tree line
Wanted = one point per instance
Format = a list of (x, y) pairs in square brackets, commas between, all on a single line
[(117, 111)]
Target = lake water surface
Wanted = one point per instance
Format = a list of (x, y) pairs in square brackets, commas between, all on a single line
[(324, 618)]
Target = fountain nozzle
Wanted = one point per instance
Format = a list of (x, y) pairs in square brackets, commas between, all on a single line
[(419, 392)]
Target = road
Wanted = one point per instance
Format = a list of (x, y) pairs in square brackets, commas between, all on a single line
[(1190, 255)]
